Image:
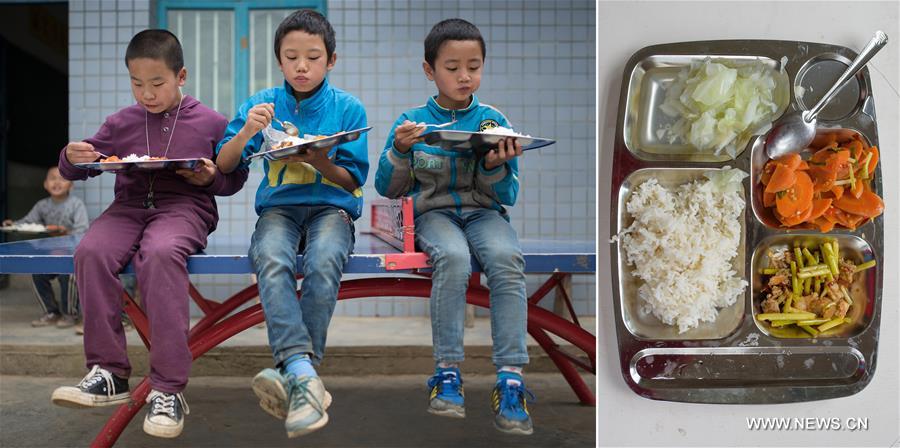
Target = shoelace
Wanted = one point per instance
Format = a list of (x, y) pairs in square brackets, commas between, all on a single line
[(449, 383), (512, 397), (163, 403), (96, 375), (299, 393)]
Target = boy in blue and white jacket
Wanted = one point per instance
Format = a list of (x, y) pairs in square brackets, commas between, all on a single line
[(307, 201), (458, 200)]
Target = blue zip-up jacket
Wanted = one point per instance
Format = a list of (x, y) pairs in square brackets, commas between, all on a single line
[(328, 111), (436, 178)]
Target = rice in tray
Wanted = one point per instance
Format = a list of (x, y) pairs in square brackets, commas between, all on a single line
[(682, 244), (500, 130)]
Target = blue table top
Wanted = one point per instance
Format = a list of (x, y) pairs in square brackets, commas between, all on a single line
[(227, 254)]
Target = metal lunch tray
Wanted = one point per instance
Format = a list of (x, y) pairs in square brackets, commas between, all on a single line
[(148, 165), (737, 359), (478, 141), (331, 140), (14, 229)]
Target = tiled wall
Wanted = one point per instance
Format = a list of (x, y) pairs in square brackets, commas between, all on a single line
[(539, 71), (99, 32)]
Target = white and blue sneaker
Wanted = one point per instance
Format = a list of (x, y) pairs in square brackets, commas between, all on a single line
[(271, 387), (306, 405), (447, 397), (510, 405)]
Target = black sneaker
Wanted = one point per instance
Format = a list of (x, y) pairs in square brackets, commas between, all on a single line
[(166, 415), (99, 387)]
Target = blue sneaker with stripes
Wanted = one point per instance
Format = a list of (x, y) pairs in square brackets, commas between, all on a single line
[(447, 397), (510, 405)]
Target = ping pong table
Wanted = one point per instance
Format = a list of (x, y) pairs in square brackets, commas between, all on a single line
[(388, 248)]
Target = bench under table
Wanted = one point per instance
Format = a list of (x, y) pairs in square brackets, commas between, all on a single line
[(375, 254)]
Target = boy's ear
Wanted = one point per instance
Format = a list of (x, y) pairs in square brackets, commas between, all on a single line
[(429, 72), (182, 76), (331, 62)]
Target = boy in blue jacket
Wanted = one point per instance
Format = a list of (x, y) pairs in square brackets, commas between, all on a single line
[(307, 201), (458, 200)]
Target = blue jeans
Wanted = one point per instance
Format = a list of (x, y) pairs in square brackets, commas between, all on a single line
[(449, 239), (68, 297), (324, 234)]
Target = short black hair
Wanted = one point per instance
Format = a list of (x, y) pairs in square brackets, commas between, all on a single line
[(451, 29), (309, 21), (156, 44)]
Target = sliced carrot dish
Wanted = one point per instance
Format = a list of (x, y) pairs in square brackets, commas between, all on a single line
[(833, 187)]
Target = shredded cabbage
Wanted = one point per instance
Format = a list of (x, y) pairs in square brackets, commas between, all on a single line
[(718, 106), (725, 180)]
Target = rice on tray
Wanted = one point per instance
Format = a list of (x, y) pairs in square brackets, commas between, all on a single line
[(682, 243)]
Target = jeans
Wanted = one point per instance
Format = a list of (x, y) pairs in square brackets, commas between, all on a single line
[(324, 235), (68, 297), (449, 239)]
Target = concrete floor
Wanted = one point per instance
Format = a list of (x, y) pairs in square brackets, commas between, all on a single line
[(377, 377), (368, 411)]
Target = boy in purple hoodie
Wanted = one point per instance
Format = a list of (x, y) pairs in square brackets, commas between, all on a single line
[(157, 219)]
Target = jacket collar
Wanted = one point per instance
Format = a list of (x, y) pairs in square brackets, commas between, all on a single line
[(186, 103), (437, 109), (311, 104)]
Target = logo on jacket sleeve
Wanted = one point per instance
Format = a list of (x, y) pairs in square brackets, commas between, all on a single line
[(487, 124)]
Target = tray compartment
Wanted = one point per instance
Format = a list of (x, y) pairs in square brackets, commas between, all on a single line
[(643, 324), (758, 159), (647, 91), (817, 75), (862, 290)]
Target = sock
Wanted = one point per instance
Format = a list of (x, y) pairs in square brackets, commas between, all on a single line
[(299, 365), (512, 375), (447, 365)]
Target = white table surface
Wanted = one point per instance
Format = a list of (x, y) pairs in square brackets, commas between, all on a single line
[(624, 418)]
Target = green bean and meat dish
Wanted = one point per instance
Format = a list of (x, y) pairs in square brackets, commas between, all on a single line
[(809, 288)]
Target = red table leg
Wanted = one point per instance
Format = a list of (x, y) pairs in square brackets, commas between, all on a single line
[(123, 415), (216, 328), (565, 366)]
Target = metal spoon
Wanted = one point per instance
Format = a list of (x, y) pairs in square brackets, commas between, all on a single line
[(794, 132), (289, 127), (438, 126)]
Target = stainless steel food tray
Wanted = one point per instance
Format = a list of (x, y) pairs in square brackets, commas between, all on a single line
[(331, 140), (479, 142), (737, 359), (148, 165)]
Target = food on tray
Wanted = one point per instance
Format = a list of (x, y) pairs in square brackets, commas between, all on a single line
[(27, 227), (833, 187), (294, 141), (288, 142), (131, 158), (809, 287), (500, 130), (682, 244), (717, 106)]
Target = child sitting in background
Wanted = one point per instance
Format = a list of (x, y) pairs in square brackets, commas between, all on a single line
[(459, 200), (62, 214)]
